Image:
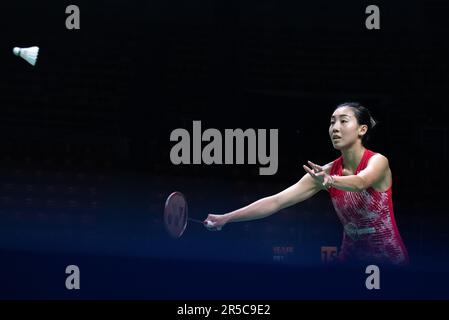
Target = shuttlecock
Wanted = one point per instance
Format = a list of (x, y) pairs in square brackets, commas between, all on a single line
[(29, 54)]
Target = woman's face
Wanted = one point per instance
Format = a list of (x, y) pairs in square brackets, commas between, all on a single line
[(344, 130)]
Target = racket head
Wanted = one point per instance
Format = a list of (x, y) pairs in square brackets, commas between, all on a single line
[(175, 214)]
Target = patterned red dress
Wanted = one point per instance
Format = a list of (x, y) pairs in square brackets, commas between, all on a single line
[(370, 233)]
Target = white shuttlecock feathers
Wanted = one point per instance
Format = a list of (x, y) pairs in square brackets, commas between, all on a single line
[(29, 54)]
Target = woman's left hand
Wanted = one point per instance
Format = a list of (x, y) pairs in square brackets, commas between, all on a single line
[(319, 174)]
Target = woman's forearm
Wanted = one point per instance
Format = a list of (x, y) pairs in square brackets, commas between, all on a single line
[(352, 183), (256, 210)]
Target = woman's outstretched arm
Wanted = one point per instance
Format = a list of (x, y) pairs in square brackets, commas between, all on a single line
[(300, 191)]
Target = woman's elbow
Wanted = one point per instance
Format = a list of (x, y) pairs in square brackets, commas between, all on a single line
[(276, 203), (361, 185)]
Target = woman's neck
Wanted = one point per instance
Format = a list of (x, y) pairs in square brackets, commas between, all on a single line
[(352, 156)]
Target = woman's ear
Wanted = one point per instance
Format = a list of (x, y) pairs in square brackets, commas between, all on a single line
[(362, 130)]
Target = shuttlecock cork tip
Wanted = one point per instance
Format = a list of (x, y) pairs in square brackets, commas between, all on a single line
[(16, 51)]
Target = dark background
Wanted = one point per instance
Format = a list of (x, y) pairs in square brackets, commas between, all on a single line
[(84, 159)]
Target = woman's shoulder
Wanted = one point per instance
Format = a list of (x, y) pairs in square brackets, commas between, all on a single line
[(377, 158), (378, 155)]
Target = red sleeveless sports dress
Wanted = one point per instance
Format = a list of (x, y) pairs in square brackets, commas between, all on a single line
[(370, 233)]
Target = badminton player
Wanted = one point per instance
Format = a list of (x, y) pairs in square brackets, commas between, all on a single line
[(359, 183)]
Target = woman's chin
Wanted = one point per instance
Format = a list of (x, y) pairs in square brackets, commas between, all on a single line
[(337, 146)]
